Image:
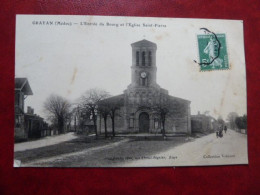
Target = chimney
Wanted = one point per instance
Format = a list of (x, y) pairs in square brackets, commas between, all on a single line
[(28, 110)]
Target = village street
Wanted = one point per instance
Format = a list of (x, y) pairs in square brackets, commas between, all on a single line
[(135, 151), (208, 150), (47, 141)]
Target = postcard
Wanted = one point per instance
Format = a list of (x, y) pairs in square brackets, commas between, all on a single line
[(103, 91)]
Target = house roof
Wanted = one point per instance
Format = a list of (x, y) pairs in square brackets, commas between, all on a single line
[(144, 43), (23, 85), (203, 115)]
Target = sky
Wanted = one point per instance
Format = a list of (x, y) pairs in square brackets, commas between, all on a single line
[(68, 60)]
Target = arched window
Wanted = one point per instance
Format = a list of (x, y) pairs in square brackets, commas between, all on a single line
[(143, 82), (143, 58), (137, 58), (156, 123), (131, 123), (150, 58)]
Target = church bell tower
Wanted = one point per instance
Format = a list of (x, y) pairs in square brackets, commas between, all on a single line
[(143, 64)]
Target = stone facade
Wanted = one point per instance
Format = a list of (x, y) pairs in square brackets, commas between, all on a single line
[(140, 102)]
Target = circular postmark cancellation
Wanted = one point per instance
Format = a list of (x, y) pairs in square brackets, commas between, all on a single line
[(212, 51)]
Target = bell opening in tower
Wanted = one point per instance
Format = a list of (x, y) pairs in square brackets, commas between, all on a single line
[(143, 58), (137, 58), (150, 58)]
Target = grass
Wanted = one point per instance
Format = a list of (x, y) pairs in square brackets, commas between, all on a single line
[(134, 147), (75, 145)]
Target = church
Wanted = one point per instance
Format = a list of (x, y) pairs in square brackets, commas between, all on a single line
[(145, 107)]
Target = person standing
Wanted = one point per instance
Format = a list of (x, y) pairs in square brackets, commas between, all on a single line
[(225, 129)]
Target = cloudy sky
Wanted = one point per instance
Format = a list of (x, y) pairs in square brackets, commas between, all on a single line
[(69, 59)]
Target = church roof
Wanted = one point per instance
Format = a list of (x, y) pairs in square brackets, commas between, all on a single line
[(180, 99), (22, 84), (118, 100), (143, 43)]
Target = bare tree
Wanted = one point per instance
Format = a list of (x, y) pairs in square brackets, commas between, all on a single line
[(109, 107), (206, 113), (231, 118), (163, 110), (89, 103), (104, 111), (241, 122), (78, 115), (58, 109), (221, 121), (113, 108)]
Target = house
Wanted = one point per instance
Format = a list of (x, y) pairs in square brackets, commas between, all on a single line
[(22, 91), (203, 123), (26, 125), (35, 125)]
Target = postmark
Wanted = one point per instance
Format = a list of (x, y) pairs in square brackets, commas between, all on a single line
[(212, 51)]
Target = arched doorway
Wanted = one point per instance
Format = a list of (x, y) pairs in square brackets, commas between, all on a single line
[(144, 122)]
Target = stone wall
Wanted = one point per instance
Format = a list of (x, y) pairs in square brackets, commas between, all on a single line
[(127, 121), (119, 123), (178, 119)]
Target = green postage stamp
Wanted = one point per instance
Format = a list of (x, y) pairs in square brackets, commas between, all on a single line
[(213, 52)]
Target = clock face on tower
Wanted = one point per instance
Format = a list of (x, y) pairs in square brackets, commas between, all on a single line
[(143, 75)]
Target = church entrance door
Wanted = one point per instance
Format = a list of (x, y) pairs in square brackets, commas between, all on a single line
[(144, 122)]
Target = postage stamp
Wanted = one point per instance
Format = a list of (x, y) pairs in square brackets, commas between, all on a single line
[(213, 52)]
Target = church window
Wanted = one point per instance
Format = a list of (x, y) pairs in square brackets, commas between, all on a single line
[(150, 58), (131, 123), (137, 98), (143, 58), (156, 124), (137, 58), (143, 81)]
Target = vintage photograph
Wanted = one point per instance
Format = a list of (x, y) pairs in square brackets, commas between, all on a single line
[(103, 91)]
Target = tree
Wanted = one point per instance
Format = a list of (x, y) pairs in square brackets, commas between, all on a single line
[(231, 119), (76, 115), (162, 109), (241, 122), (113, 108), (79, 118), (109, 107), (206, 113), (89, 103), (58, 109), (104, 111), (221, 121)]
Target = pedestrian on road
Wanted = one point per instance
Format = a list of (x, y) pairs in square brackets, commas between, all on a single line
[(225, 129), (220, 132)]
